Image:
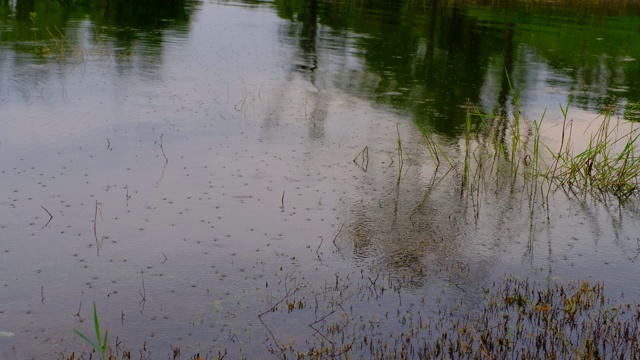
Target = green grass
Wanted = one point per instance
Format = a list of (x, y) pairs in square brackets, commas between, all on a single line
[(501, 151), (608, 165), (100, 345)]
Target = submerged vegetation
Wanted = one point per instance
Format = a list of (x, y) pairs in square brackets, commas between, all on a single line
[(56, 44), (513, 319), (516, 319)]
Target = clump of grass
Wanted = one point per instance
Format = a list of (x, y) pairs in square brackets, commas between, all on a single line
[(509, 318), (608, 165), (521, 320), (494, 148), (517, 319), (401, 154), (510, 151), (435, 150), (362, 159), (100, 346), (60, 47)]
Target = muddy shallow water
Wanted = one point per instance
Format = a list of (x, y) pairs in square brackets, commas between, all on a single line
[(198, 170)]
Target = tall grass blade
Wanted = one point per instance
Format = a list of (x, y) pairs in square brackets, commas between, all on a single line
[(100, 346)]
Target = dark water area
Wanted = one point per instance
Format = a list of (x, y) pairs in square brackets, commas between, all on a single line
[(198, 169), (430, 59)]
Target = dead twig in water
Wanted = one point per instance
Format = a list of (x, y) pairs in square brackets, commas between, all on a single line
[(321, 241), (95, 222), (373, 283), (286, 295), (50, 216), (166, 160), (318, 331), (143, 292), (336, 237), (78, 314), (401, 153), (272, 309), (364, 159)]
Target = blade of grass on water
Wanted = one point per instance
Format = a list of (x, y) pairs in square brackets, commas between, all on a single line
[(86, 339), (96, 324)]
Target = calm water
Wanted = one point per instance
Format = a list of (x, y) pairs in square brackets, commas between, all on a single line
[(197, 161)]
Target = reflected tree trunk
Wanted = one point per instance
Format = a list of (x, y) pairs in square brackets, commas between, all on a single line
[(431, 43), (23, 8), (507, 60), (308, 38), (308, 66), (505, 88)]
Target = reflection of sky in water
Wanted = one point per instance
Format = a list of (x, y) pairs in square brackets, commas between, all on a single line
[(259, 187)]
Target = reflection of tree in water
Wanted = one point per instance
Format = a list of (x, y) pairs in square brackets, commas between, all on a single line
[(431, 59), (145, 14), (388, 227), (412, 234), (308, 38), (303, 34), (129, 33), (126, 23), (307, 65)]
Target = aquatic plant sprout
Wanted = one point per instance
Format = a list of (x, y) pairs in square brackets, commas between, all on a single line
[(99, 345)]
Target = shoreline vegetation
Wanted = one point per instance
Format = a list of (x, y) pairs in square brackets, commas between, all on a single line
[(516, 318), (500, 152)]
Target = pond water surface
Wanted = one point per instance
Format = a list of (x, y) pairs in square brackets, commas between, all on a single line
[(187, 165)]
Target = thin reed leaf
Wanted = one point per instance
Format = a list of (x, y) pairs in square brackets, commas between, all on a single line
[(100, 346), (86, 339), (96, 324)]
